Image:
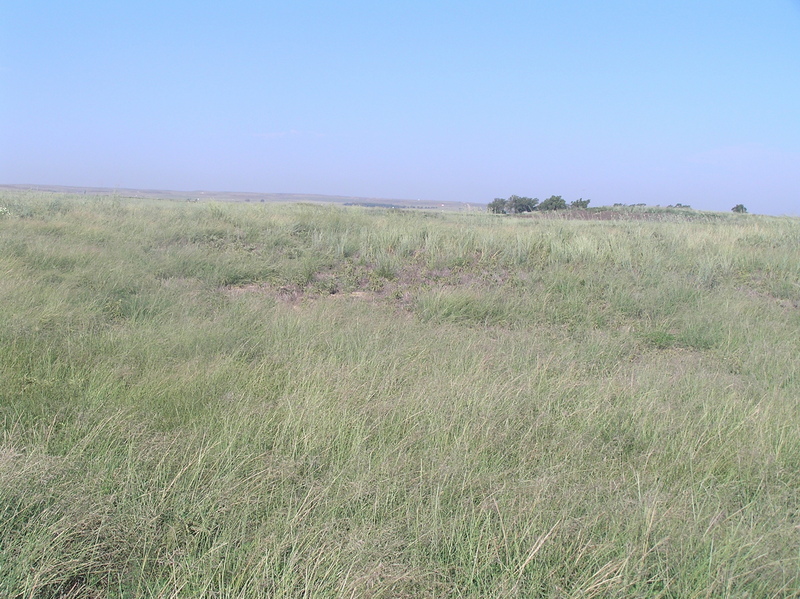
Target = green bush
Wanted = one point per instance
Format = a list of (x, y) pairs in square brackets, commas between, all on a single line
[(553, 203)]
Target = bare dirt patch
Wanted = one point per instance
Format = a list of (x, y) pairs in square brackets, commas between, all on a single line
[(366, 282), (784, 303)]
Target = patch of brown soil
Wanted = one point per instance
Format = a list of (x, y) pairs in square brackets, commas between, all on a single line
[(786, 304), (362, 282), (237, 290)]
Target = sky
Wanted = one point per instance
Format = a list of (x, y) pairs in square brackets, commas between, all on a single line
[(688, 101)]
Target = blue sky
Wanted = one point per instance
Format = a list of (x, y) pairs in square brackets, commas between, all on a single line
[(696, 102)]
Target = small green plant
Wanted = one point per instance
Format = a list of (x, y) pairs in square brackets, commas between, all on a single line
[(4, 211), (659, 339), (386, 269)]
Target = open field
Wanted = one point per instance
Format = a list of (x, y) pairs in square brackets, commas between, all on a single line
[(288, 400), (235, 196)]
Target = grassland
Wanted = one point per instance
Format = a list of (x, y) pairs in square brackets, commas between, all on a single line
[(239, 400)]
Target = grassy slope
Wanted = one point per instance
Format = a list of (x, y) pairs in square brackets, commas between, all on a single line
[(242, 401)]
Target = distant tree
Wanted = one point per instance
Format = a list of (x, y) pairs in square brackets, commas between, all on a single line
[(498, 206), (580, 204), (517, 204), (553, 203), (739, 208)]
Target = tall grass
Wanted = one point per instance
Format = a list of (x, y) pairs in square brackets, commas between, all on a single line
[(282, 401)]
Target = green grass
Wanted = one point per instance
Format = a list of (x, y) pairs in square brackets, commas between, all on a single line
[(238, 400)]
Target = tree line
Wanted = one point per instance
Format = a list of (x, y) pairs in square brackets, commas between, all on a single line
[(518, 204)]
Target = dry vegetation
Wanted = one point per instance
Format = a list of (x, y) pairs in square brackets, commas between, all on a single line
[(204, 400)]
